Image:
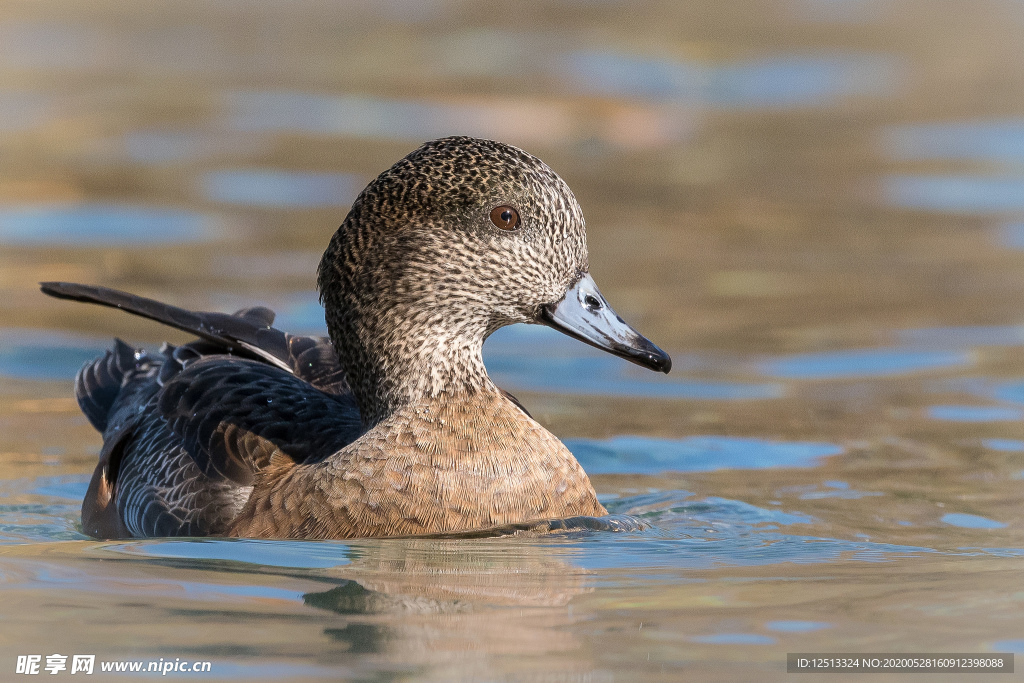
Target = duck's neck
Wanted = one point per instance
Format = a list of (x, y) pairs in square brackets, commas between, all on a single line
[(395, 362)]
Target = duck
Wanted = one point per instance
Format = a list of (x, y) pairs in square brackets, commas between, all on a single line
[(390, 425)]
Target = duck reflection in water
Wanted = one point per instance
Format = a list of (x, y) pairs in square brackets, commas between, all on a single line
[(470, 584), (391, 427)]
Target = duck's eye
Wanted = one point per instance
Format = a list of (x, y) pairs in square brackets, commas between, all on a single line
[(505, 217)]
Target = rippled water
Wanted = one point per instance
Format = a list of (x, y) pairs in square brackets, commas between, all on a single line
[(816, 206)]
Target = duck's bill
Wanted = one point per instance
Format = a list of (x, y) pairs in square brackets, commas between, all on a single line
[(584, 314)]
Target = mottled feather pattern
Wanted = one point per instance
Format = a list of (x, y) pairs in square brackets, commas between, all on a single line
[(159, 490), (248, 412), (410, 475), (417, 276)]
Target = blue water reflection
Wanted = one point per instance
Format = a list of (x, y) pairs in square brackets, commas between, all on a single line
[(299, 554), (301, 315), (1007, 445), (67, 487), (268, 189), (719, 511), (863, 362), (102, 224), (1012, 236), (967, 521), (734, 639), (1012, 392), (797, 626), (956, 193), (49, 511), (648, 455), (537, 358), (975, 413), (783, 81), (295, 312), (999, 141), (45, 355), (689, 533)]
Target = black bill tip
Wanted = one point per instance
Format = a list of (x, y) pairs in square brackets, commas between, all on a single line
[(628, 344), (650, 356)]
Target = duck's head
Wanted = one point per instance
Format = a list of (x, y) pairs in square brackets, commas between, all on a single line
[(456, 240)]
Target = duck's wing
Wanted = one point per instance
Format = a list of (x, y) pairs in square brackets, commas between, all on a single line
[(314, 360), (235, 415), (185, 433), (248, 333), (242, 394)]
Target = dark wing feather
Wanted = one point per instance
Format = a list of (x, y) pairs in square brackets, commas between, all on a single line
[(98, 383), (233, 415), (314, 360), (246, 334)]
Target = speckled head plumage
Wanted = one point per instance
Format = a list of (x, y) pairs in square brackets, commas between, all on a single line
[(418, 274)]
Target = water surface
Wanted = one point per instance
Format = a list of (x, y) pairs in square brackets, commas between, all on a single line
[(814, 206)]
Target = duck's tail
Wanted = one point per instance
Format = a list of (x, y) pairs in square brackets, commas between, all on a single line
[(247, 333), (99, 382)]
